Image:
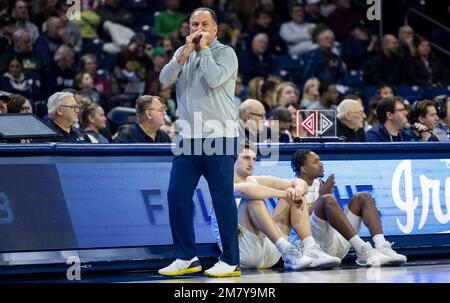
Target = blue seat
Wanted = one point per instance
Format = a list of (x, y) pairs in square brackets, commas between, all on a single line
[(144, 18), (410, 93), (369, 91), (353, 77), (436, 91), (135, 5), (288, 67), (122, 115), (92, 45)]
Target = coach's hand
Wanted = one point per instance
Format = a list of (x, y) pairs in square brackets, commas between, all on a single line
[(191, 40)]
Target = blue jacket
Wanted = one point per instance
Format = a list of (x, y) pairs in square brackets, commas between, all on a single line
[(379, 133)]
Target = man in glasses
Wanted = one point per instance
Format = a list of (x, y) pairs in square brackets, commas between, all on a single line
[(350, 121), (150, 114), (392, 118), (63, 116), (252, 114)]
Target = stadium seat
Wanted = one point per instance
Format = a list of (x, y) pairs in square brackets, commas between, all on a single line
[(288, 67), (121, 115), (432, 92), (353, 77), (144, 18), (121, 99), (92, 45), (410, 93), (135, 5)]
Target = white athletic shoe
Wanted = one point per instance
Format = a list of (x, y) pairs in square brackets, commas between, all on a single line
[(394, 257), (294, 259), (222, 269), (181, 267), (369, 256), (320, 258)]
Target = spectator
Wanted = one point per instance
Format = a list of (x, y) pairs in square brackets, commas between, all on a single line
[(312, 12), (63, 115), (263, 23), (406, 42), (281, 120), (226, 32), (254, 88), (168, 21), (322, 63), (343, 18), (425, 119), (386, 67), (256, 61), (127, 77), (50, 40), (350, 121), (238, 90), (60, 74), (372, 113), (164, 92), (20, 12), (268, 96), (297, 33), (71, 28), (160, 59), (111, 11), (4, 100), (150, 117), (168, 44), (443, 128), (286, 93), (180, 37), (359, 47), (252, 115), (7, 29), (297, 119), (88, 64), (32, 64), (424, 69), (85, 83), (46, 10), (310, 92), (328, 97), (16, 82), (392, 117), (19, 105), (141, 51), (93, 120), (385, 91)]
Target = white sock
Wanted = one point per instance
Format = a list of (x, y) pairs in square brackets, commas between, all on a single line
[(378, 240), (282, 244), (308, 242), (357, 243)]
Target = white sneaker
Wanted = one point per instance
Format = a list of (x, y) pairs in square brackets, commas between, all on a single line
[(181, 267), (294, 259), (394, 257), (320, 258), (369, 256), (222, 269)]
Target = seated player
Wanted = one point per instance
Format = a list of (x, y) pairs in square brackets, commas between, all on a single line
[(263, 238), (337, 230)]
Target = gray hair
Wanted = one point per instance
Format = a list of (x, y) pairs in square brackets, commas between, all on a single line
[(62, 51), (56, 100), (345, 106), (18, 34)]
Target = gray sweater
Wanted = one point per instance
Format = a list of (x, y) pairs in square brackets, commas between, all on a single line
[(205, 91)]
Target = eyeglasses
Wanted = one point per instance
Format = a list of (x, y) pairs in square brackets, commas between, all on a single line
[(161, 110), (261, 116), (361, 112), (75, 108)]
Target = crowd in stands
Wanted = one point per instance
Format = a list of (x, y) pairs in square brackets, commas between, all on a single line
[(79, 71)]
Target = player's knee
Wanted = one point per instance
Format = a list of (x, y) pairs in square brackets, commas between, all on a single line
[(329, 201), (255, 203), (364, 198)]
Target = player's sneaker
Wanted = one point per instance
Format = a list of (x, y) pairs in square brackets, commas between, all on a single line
[(222, 269), (181, 267), (294, 259), (320, 258), (394, 257), (369, 256)]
